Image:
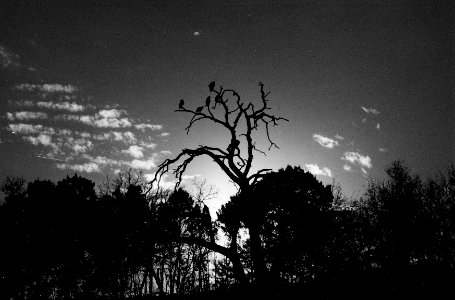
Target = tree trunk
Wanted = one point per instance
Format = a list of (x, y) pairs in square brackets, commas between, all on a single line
[(257, 256)]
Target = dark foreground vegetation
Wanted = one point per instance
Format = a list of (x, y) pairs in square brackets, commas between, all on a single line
[(66, 240), (283, 235)]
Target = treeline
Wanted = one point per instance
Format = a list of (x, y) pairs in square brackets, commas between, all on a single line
[(69, 240)]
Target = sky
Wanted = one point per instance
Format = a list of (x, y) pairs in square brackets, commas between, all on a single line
[(92, 87)]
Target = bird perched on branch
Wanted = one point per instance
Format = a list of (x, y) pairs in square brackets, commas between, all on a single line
[(211, 86), (181, 103), (207, 101), (199, 109)]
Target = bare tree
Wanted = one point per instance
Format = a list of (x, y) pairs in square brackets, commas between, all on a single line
[(241, 120)]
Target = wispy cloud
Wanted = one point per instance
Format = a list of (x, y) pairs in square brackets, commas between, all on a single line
[(26, 115), (337, 136), (85, 167), (126, 137), (42, 139), (382, 150), (365, 173), (315, 170), (22, 128), (71, 107), (370, 110), (8, 60), (378, 126), (106, 118), (135, 151), (152, 127), (165, 134), (357, 158), (47, 88), (325, 141)]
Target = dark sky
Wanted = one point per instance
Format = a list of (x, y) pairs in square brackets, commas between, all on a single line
[(92, 87)]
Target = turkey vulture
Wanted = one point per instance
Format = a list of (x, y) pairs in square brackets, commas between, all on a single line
[(212, 86), (199, 109), (207, 101), (181, 103)]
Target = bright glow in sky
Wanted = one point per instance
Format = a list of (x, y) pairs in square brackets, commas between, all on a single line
[(93, 89)]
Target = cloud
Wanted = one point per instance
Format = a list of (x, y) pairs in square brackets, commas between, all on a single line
[(152, 127), (81, 145), (47, 88), (86, 167), (337, 136), (165, 134), (356, 157), (26, 115), (72, 107), (378, 126), (147, 164), (325, 141), (315, 170), (365, 173), (135, 151), (370, 110), (106, 118), (166, 152), (102, 160), (22, 128), (126, 137), (42, 139), (8, 60), (382, 150), (347, 168)]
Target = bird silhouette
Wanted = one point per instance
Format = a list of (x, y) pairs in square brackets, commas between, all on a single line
[(199, 109), (181, 103), (207, 101), (211, 86)]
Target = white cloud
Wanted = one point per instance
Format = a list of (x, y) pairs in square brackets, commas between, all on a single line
[(315, 170), (8, 59), (148, 145), (382, 150), (42, 139), (72, 107), (102, 160), (81, 145), (337, 136), (356, 157), (103, 119), (152, 127), (378, 126), (325, 141), (147, 164), (166, 152), (22, 128), (370, 110), (86, 167), (347, 168), (135, 151), (165, 134), (26, 115), (47, 88), (126, 137)]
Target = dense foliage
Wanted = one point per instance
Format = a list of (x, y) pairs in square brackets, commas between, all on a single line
[(65, 240)]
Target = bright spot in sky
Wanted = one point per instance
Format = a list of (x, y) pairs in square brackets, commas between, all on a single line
[(196, 33)]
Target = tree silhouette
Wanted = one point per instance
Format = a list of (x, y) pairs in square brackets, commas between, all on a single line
[(240, 120)]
